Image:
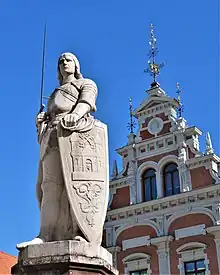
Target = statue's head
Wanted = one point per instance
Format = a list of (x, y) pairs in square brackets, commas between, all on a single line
[(68, 64)]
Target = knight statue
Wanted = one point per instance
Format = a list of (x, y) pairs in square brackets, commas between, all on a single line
[(72, 185)]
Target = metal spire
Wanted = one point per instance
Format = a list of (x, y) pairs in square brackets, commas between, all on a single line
[(181, 106), (153, 67), (131, 124)]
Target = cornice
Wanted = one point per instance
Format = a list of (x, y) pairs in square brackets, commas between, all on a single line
[(145, 142), (166, 103), (120, 182), (193, 130), (202, 161), (157, 152), (166, 204)]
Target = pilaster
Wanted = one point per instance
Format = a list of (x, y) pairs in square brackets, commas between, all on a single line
[(132, 167), (163, 253), (215, 231), (114, 250), (160, 189)]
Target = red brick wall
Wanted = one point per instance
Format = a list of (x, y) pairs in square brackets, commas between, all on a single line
[(162, 116), (166, 129), (212, 254), (121, 198), (189, 220), (201, 177), (192, 220), (135, 232), (191, 154), (145, 135), (6, 263)]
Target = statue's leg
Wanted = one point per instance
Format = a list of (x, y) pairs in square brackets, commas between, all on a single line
[(52, 187), (39, 192)]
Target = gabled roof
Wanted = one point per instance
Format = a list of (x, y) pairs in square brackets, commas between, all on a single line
[(157, 96), (6, 262), (153, 101)]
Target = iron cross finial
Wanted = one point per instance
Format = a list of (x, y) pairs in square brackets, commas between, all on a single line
[(131, 124), (180, 108)]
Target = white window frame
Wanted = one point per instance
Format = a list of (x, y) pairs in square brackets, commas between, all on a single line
[(137, 261), (192, 252)]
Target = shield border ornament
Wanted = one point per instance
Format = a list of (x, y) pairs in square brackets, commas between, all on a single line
[(84, 157)]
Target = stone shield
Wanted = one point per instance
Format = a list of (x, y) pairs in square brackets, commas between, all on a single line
[(84, 157)]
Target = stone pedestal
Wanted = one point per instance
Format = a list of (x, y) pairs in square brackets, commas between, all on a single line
[(64, 257)]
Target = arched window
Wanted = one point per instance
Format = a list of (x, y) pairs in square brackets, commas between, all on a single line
[(149, 185), (171, 180)]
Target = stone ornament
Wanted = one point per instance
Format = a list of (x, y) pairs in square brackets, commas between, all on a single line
[(72, 187), (155, 125)]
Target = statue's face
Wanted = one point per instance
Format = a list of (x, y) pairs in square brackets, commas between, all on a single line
[(67, 65)]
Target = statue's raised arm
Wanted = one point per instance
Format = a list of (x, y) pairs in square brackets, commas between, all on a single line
[(72, 186)]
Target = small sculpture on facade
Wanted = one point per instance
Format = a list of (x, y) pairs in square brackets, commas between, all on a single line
[(72, 186), (183, 169), (209, 149)]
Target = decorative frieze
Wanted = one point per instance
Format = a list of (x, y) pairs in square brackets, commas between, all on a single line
[(202, 161), (158, 109), (119, 183), (167, 204)]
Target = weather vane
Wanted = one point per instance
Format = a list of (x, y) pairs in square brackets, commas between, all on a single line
[(180, 108), (153, 67), (131, 124)]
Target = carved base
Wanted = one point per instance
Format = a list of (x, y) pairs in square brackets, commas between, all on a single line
[(64, 257)]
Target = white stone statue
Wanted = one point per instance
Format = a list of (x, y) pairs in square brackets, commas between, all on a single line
[(209, 149), (72, 186)]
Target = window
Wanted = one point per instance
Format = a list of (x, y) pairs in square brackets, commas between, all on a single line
[(139, 272), (137, 264), (149, 184), (193, 259), (171, 180), (195, 267)]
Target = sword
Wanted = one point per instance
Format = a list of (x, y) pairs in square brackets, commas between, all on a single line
[(42, 106)]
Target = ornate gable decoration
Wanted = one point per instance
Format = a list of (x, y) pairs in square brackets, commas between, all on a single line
[(158, 102)]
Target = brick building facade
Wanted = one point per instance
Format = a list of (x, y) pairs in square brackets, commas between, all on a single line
[(6, 262), (164, 210)]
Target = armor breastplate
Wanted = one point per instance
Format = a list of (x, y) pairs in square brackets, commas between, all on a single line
[(63, 99)]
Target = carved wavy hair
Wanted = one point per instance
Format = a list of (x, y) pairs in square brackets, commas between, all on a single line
[(78, 75)]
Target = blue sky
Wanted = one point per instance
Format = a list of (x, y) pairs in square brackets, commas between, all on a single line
[(110, 39)]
